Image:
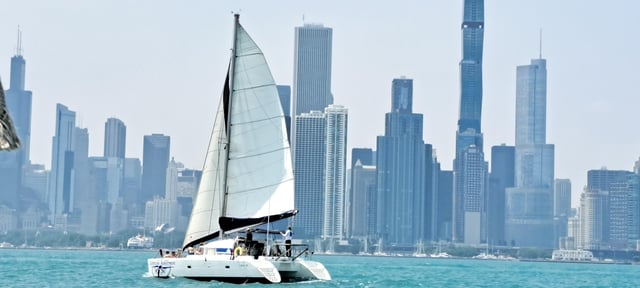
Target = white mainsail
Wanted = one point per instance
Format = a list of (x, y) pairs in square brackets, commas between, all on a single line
[(257, 170), (8, 136)]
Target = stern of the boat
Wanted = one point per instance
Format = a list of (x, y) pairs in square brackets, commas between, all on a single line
[(267, 269), (316, 269), (160, 267)]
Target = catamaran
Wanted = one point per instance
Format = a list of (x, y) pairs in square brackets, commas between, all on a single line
[(247, 181)]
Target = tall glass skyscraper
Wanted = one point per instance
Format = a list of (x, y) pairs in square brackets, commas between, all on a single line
[(401, 190), (18, 103), (502, 177), (311, 74), (529, 211), (155, 160), (61, 192), (469, 134), (471, 70), (115, 138), (312, 69)]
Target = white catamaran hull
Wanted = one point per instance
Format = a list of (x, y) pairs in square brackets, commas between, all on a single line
[(299, 269), (242, 269)]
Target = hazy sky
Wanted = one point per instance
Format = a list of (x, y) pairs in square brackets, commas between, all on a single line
[(159, 66)]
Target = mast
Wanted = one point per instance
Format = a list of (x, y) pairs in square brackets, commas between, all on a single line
[(228, 118)]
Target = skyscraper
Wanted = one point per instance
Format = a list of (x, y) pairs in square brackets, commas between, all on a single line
[(311, 74), (401, 189), (562, 197), (445, 205), (115, 134), (309, 185), (501, 178), (363, 200), (469, 124), (469, 200), (61, 192), (155, 160), (18, 103), (471, 71), (312, 69), (284, 92), (618, 220), (335, 172), (529, 211), (115, 137)]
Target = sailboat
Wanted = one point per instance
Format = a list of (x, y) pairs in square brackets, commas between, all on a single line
[(8, 136), (419, 250), (247, 181)]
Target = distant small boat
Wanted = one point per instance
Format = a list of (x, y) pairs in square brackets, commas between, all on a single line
[(139, 241), (420, 250), (6, 245)]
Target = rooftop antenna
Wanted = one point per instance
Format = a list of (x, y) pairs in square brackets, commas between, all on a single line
[(540, 43), (19, 47)]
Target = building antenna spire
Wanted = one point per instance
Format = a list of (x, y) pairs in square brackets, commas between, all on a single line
[(19, 46), (540, 43)]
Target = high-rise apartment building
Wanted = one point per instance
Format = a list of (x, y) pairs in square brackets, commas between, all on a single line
[(310, 138), (18, 101), (400, 155), (529, 216), (335, 172), (155, 160), (469, 124)]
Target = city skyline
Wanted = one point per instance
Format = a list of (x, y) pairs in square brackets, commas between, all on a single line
[(145, 68)]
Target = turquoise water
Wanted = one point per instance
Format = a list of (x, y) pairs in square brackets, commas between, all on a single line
[(85, 268)]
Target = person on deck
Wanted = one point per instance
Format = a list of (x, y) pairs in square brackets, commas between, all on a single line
[(287, 235), (248, 239)]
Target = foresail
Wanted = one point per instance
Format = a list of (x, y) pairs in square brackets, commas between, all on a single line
[(203, 224), (260, 172), (258, 169), (8, 136)]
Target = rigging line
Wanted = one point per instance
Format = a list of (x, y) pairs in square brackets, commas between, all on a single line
[(258, 154), (253, 87), (258, 120), (251, 54), (261, 187)]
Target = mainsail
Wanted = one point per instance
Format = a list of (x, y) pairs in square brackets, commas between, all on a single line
[(247, 178), (8, 136)]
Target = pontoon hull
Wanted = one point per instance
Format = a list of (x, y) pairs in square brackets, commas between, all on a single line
[(243, 269)]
